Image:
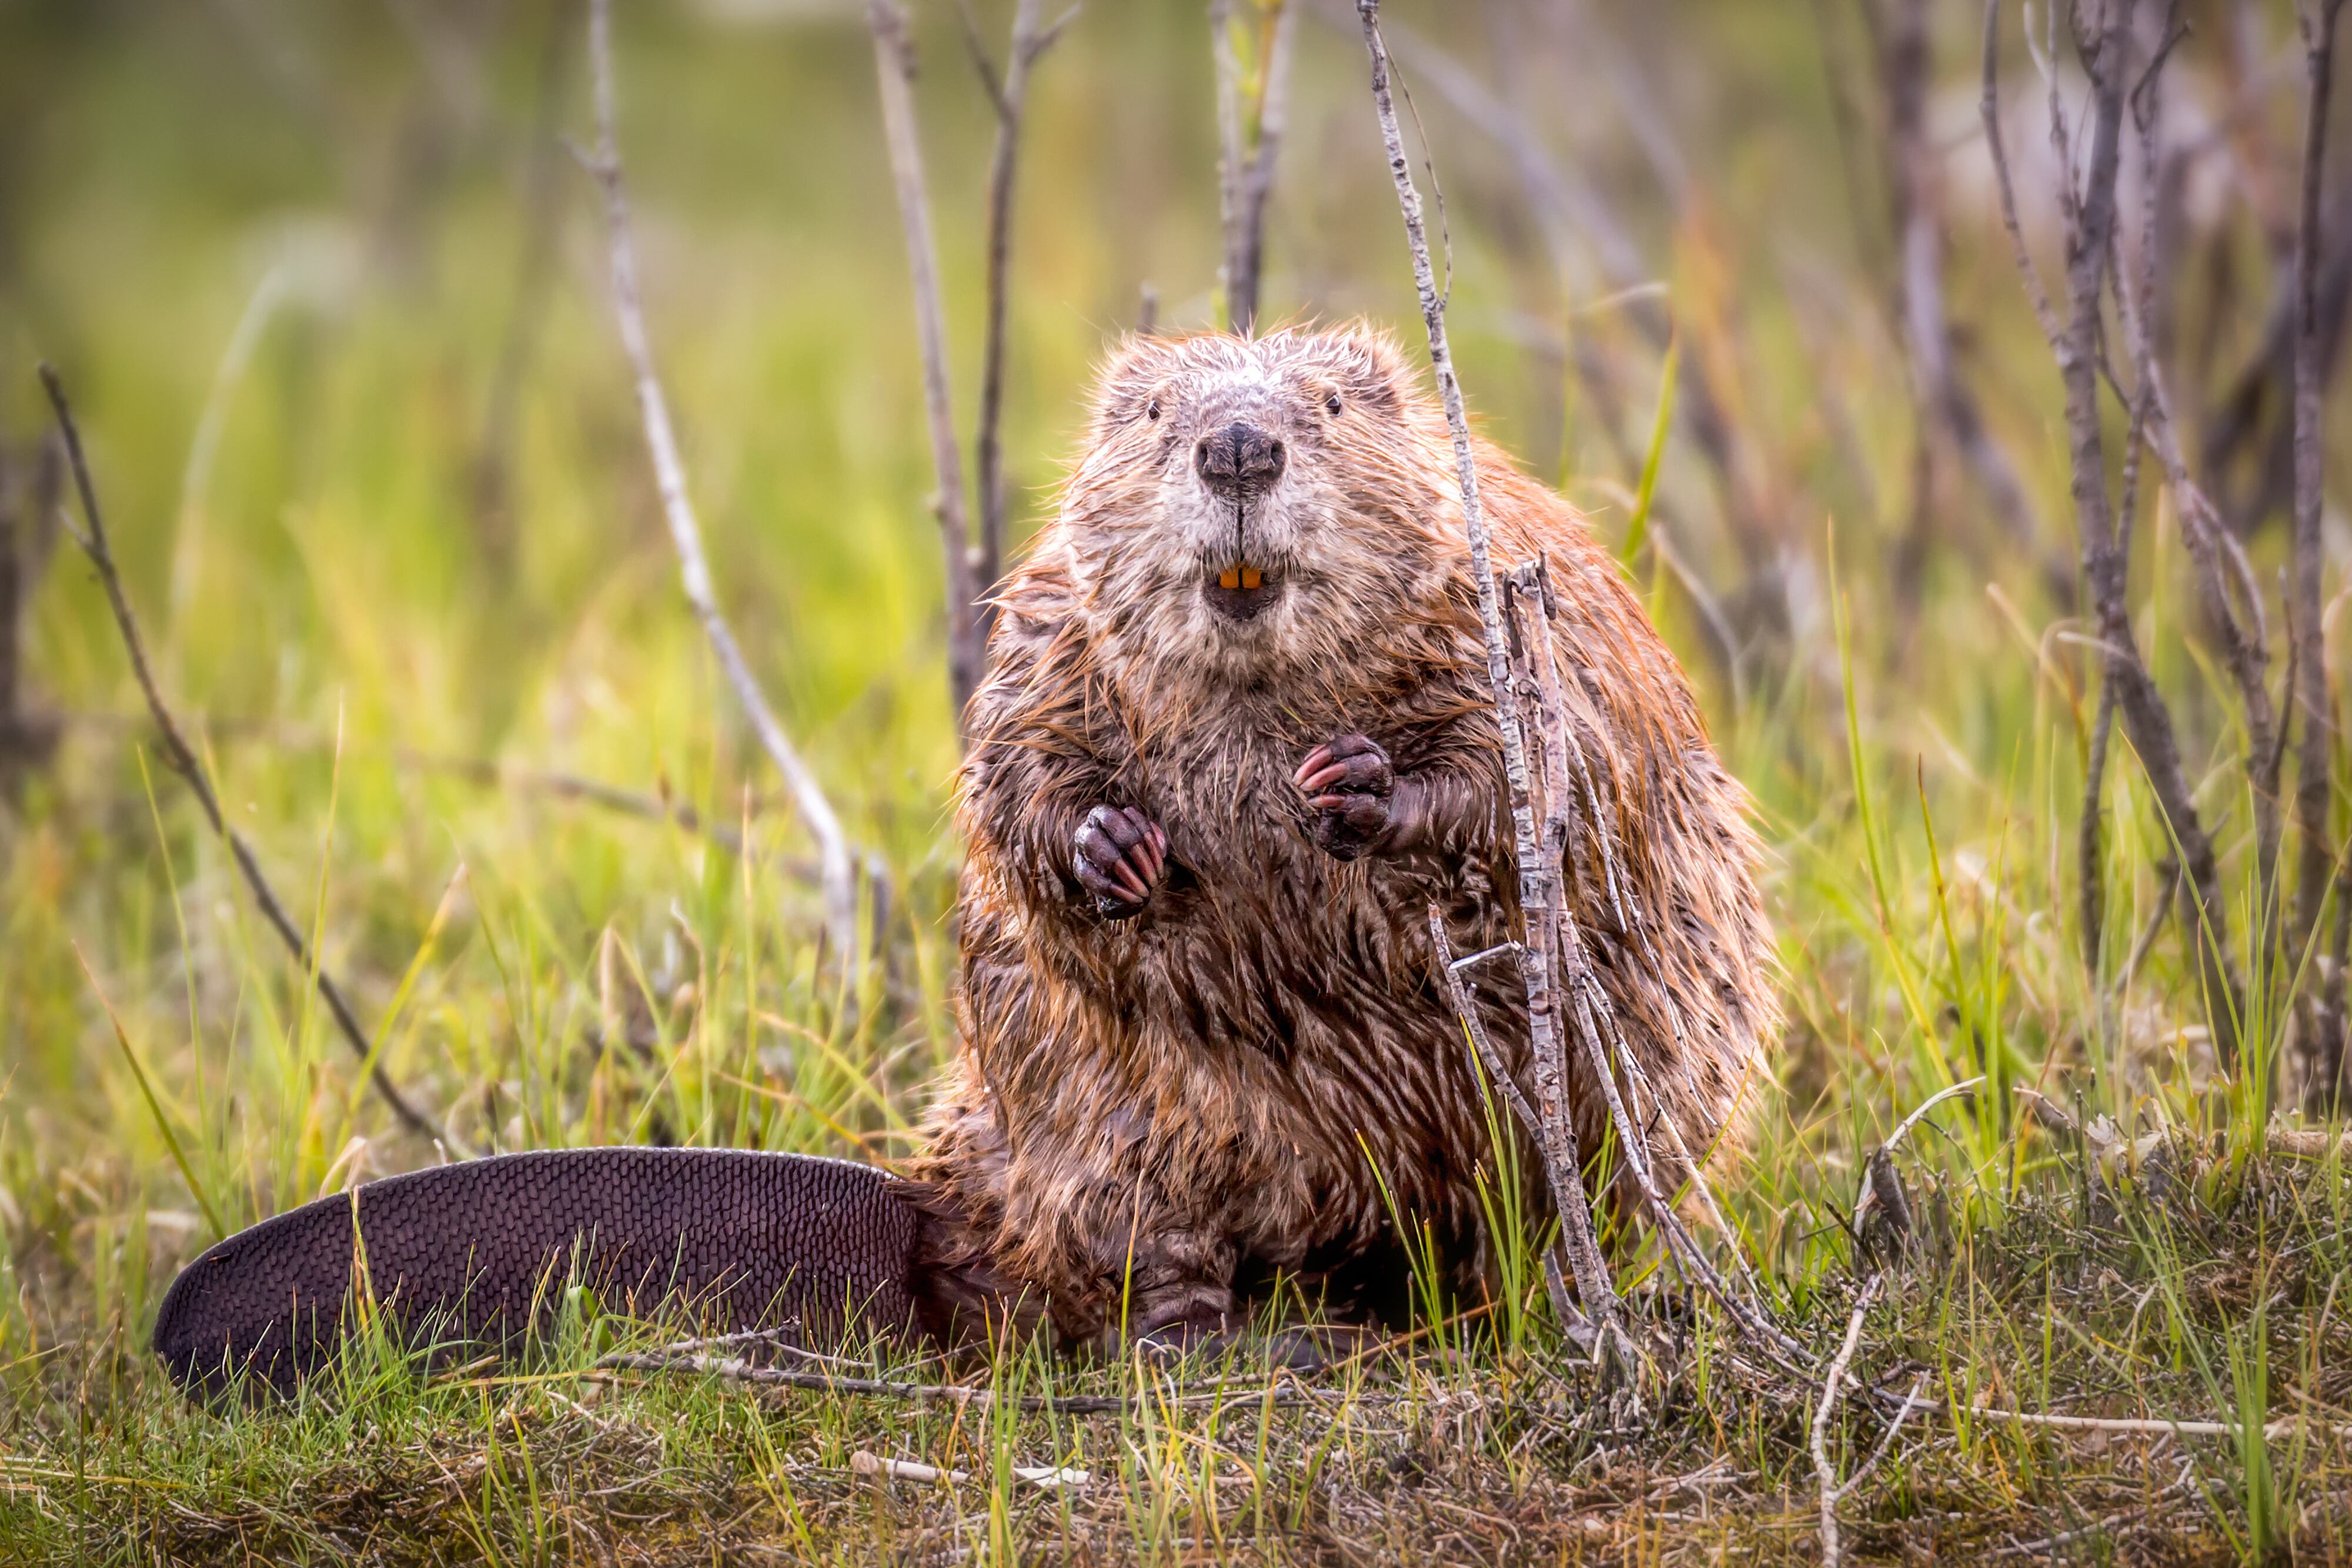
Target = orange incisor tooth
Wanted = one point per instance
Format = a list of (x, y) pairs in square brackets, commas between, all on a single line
[(1251, 577), (1229, 578)]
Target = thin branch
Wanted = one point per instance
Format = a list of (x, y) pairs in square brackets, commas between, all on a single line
[(1249, 141), (1557, 1154), (733, 1369), (1988, 109), (1919, 1113), (2090, 237), (2221, 564), (838, 867), (184, 762), (2152, 1426), (1011, 95), (1571, 211), (541, 214), (1832, 1550), (894, 65), (1941, 394), (1536, 887), (2315, 855), (1527, 607)]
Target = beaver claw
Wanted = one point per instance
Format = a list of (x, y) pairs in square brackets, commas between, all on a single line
[(1120, 854), (1351, 785)]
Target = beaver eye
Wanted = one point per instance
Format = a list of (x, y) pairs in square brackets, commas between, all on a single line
[(1152, 409), (1332, 403)]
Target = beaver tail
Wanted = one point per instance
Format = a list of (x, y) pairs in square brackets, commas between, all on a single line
[(462, 1258)]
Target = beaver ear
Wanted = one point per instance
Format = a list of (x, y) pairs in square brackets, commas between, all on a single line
[(1372, 364), (1128, 376)]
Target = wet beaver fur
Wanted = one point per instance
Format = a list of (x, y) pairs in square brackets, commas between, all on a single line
[(1235, 737)]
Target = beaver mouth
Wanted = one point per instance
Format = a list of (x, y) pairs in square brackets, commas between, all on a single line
[(1243, 592)]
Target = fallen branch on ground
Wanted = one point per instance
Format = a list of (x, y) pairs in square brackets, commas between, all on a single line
[(733, 1369), (1050, 1477), (184, 762)]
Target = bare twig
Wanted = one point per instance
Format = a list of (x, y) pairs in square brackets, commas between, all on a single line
[(1988, 109), (1249, 140), (1572, 212), (541, 217), (1537, 882), (729, 1369), (1919, 1115), (1010, 94), (2223, 573), (1049, 1477), (2152, 1426), (2148, 721), (894, 65), (1832, 1551), (186, 763), (29, 483), (1528, 608), (2314, 856), (838, 866), (1574, 1237), (1940, 394)]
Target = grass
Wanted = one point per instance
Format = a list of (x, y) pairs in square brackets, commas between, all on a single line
[(326, 590)]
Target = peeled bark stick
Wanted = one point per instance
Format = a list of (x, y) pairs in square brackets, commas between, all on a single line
[(1535, 886), (184, 762), (838, 868), (894, 66)]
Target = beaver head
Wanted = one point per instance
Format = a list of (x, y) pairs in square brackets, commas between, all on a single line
[(1247, 508)]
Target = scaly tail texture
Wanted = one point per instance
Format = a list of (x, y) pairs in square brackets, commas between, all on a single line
[(471, 1255)]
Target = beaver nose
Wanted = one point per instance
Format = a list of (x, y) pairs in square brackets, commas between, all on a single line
[(1238, 461)]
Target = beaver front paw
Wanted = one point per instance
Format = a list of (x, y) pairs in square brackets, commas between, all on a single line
[(1352, 788), (1121, 854)]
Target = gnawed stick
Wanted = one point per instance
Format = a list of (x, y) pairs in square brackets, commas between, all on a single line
[(1537, 887), (186, 763), (839, 873)]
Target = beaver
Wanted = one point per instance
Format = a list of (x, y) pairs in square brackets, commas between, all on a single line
[(1235, 738)]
